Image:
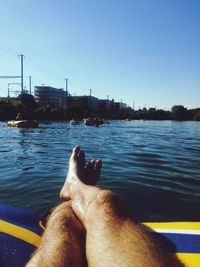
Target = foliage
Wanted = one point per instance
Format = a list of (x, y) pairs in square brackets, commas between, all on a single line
[(8, 111), (197, 116), (27, 105), (179, 112), (28, 101)]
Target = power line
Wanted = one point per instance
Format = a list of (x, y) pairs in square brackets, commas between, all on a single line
[(40, 68), (13, 52), (34, 65), (8, 50)]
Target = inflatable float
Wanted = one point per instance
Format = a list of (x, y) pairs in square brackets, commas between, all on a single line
[(23, 123), (21, 230), (75, 122)]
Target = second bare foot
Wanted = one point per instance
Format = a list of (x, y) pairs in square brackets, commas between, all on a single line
[(80, 173)]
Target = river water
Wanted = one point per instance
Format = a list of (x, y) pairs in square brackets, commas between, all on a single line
[(154, 166)]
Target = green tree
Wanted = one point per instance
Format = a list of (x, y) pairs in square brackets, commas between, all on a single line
[(28, 101), (179, 112), (197, 116)]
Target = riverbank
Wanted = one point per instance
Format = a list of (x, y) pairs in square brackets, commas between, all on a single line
[(9, 110)]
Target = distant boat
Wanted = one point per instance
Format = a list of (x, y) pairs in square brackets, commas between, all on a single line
[(93, 121), (88, 121), (75, 122), (23, 123)]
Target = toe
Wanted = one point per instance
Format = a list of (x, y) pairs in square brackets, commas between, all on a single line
[(93, 162), (81, 159), (88, 168), (98, 164), (75, 151), (88, 171)]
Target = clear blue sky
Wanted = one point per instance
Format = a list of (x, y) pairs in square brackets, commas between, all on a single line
[(136, 50)]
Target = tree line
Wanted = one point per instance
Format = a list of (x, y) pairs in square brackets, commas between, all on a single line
[(26, 104)]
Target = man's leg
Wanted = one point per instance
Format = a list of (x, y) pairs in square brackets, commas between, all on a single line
[(62, 242), (112, 238)]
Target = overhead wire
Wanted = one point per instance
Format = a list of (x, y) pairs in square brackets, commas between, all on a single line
[(9, 50), (36, 66)]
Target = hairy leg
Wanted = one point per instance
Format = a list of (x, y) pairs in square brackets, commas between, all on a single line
[(112, 238), (62, 242)]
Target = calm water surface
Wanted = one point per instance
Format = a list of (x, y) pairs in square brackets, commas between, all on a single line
[(153, 166)]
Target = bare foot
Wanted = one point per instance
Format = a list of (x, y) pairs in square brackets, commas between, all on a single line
[(80, 173)]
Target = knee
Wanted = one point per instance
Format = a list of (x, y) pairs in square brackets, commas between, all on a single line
[(63, 217), (110, 205), (106, 197)]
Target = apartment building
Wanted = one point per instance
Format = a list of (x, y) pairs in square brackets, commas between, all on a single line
[(46, 95), (105, 106), (84, 102)]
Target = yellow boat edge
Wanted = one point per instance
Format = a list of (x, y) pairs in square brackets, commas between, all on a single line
[(189, 259)]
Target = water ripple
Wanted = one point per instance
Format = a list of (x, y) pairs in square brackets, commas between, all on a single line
[(153, 166)]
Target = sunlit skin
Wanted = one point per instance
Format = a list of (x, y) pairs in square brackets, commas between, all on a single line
[(96, 225)]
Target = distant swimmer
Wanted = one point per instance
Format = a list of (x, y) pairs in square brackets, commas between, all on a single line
[(19, 117)]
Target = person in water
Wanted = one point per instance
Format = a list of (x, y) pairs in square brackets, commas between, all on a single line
[(93, 228), (19, 117)]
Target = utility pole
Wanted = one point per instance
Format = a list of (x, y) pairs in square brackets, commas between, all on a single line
[(90, 98), (30, 84), (65, 100), (8, 92), (22, 73), (107, 104), (66, 85)]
